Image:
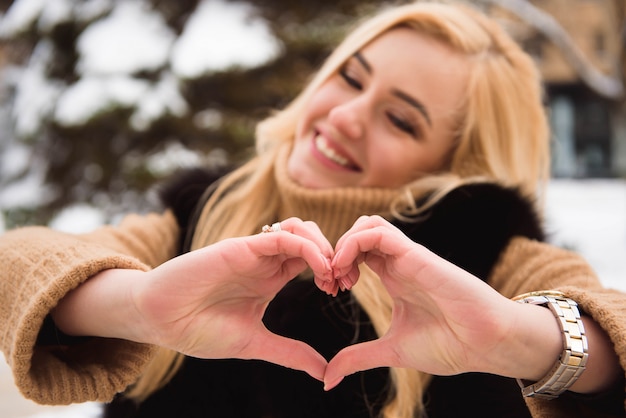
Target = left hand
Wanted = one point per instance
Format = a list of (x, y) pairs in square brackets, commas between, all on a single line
[(444, 321)]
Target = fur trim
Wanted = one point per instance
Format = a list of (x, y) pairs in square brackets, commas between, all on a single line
[(472, 224), (185, 193)]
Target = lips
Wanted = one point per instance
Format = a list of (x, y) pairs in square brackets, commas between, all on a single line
[(333, 154)]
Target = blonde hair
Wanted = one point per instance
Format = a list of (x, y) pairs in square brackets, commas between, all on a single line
[(502, 137)]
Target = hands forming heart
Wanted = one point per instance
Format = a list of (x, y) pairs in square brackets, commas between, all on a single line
[(444, 320)]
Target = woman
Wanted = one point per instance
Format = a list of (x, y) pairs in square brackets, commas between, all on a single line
[(428, 120)]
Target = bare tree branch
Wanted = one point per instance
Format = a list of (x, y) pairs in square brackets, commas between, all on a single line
[(607, 86)]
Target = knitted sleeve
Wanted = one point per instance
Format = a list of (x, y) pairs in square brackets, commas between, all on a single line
[(528, 265), (38, 266)]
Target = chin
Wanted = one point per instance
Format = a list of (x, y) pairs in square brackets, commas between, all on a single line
[(309, 182)]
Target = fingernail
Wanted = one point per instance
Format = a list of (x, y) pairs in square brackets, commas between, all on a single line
[(328, 274), (329, 288), (336, 257), (329, 386)]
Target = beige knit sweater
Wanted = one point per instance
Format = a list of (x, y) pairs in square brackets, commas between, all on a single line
[(39, 266)]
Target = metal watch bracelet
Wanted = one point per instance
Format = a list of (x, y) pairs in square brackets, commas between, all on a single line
[(572, 362)]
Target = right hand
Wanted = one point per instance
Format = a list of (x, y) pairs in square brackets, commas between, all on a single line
[(209, 303)]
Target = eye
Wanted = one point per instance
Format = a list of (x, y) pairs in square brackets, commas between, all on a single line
[(351, 81), (403, 125)]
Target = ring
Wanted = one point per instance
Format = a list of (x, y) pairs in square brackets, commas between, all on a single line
[(274, 228)]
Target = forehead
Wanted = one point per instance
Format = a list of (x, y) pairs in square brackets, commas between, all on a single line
[(422, 66), (413, 47)]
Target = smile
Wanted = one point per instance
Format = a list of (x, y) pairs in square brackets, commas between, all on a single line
[(321, 144)]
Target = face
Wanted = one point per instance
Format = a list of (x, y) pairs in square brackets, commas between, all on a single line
[(387, 117)]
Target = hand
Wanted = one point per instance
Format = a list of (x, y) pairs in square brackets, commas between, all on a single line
[(214, 308), (444, 321), (208, 303)]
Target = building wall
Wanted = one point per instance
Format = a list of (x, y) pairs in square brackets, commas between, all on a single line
[(589, 129), (594, 27)]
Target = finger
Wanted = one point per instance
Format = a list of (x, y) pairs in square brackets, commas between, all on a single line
[(310, 230), (287, 352), (352, 276), (359, 357), (358, 225), (292, 246), (328, 287), (349, 275), (382, 239)]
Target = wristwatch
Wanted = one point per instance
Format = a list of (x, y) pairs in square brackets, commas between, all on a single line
[(572, 361)]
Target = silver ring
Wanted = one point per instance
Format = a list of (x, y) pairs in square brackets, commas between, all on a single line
[(274, 228)]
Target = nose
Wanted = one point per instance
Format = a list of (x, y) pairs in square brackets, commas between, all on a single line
[(348, 118)]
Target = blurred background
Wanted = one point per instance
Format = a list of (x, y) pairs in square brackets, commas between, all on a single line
[(101, 99)]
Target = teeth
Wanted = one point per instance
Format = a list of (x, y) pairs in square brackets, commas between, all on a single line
[(322, 146)]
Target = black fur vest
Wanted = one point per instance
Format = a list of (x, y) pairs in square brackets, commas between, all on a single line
[(469, 227)]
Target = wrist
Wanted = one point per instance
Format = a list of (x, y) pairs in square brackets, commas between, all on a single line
[(603, 369), (539, 341), (102, 306), (572, 361)]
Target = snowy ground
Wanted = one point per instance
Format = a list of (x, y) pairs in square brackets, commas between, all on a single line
[(588, 216)]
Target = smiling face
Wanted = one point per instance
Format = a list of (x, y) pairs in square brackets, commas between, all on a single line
[(387, 117)]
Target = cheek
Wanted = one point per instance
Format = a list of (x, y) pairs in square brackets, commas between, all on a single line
[(300, 128), (392, 167), (306, 120), (321, 102), (402, 165)]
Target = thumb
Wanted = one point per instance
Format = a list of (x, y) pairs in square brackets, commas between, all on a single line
[(287, 352), (358, 357)]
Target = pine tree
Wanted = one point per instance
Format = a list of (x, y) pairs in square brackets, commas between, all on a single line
[(94, 112)]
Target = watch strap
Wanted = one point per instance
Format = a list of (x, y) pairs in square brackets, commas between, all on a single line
[(573, 359)]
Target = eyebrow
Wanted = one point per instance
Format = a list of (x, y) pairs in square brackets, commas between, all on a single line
[(398, 93)]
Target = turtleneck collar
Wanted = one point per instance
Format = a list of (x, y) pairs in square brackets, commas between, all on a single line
[(335, 209)]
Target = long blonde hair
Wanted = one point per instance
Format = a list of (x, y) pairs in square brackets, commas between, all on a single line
[(502, 137)]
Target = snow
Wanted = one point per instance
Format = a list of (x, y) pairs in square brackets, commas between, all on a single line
[(45, 15), (76, 104), (589, 216), (78, 219), (87, 410), (220, 35), (14, 160), (36, 95), (26, 192), (131, 39), (53, 16), (161, 99), (173, 157), (21, 15)]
